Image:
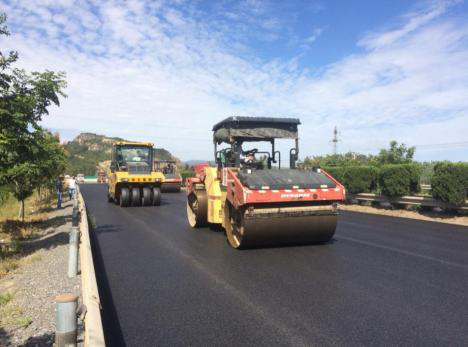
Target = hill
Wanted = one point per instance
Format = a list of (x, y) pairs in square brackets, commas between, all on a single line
[(89, 151)]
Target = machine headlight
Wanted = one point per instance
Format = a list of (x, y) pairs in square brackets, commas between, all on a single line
[(124, 180)]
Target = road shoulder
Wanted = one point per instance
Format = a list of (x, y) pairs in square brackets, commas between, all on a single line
[(27, 308)]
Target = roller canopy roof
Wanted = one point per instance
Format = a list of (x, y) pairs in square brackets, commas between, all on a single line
[(255, 129)]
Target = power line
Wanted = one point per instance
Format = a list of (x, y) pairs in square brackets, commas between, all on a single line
[(427, 146), (447, 144)]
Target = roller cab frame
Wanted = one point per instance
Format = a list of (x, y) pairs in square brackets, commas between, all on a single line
[(172, 177), (131, 178), (258, 204)]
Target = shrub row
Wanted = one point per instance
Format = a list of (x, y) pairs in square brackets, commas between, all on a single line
[(450, 182), (390, 180), (356, 179), (399, 180)]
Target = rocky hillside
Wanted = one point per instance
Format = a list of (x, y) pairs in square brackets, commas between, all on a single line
[(88, 152)]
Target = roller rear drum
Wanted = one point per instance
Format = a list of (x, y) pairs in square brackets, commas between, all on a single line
[(197, 209), (262, 227)]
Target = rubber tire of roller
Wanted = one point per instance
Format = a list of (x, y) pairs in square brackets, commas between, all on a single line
[(147, 197), (136, 197), (156, 196), (124, 199)]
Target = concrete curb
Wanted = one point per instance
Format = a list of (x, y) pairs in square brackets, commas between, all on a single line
[(93, 330)]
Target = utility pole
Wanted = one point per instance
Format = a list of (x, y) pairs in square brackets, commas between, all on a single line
[(335, 140)]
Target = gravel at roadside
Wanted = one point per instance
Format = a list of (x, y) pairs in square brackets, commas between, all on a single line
[(34, 285)]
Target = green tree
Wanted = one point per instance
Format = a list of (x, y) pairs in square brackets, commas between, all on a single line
[(347, 159), (396, 154), (26, 150), (51, 159), (40, 164)]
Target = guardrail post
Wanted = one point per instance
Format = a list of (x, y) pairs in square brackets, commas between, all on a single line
[(75, 216), (65, 320), (73, 254), (386, 204)]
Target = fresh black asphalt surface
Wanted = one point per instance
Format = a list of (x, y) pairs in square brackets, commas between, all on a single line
[(381, 281)]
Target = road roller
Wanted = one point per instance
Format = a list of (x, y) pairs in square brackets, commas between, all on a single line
[(172, 178), (257, 201), (131, 178)]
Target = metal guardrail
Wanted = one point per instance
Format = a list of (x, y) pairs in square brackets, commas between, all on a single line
[(90, 180), (94, 334), (426, 187), (406, 200)]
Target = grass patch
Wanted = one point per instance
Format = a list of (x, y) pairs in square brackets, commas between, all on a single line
[(12, 315), (9, 312), (413, 208), (13, 230), (12, 262), (34, 258), (36, 207), (8, 264), (5, 298), (23, 322)]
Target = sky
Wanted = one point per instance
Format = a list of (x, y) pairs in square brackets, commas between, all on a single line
[(167, 71)]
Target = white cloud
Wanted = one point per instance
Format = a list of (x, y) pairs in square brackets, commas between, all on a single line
[(163, 72), (307, 42), (413, 21)]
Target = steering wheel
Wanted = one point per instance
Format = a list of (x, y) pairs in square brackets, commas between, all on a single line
[(251, 151)]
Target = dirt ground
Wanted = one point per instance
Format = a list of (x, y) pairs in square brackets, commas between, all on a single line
[(423, 215)]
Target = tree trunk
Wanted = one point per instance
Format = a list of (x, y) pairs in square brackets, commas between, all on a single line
[(22, 210)]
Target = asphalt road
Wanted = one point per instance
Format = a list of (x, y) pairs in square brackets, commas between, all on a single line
[(382, 281)]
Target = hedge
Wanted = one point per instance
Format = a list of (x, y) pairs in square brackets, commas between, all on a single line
[(356, 179), (361, 179), (391, 180), (336, 172), (399, 180), (450, 183)]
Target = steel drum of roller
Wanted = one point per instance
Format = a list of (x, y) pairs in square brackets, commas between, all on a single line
[(197, 206), (260, 227)]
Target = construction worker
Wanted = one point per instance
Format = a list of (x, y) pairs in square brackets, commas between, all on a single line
[(71, 187), (59, 189)]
